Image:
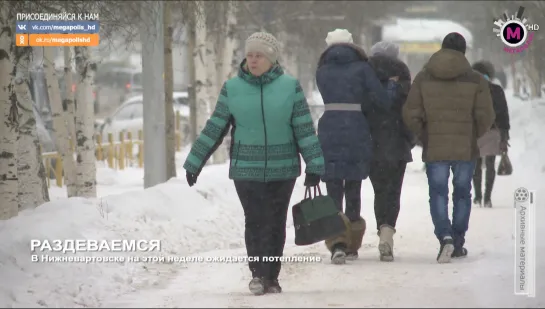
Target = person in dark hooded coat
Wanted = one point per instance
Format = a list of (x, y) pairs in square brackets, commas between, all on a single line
[(349, 88), (494, 142), (392, 141)]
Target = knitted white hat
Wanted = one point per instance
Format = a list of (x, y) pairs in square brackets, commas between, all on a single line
[(265, 43), (338, 36)]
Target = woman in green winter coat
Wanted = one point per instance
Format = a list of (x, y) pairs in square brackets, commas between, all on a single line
[(271, 126)]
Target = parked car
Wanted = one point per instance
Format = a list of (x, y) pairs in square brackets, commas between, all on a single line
[(129, 117), (116, 85)]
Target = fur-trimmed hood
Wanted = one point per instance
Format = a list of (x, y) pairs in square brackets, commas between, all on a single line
[(342, 53)]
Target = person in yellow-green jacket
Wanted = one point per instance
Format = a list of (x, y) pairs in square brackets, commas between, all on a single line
[(271, 125)]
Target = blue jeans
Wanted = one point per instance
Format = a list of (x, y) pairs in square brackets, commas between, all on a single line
[(438, 174)]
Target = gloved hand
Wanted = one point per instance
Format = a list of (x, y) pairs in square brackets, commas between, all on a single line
[(504, 144), (191, 178), (312, 180)]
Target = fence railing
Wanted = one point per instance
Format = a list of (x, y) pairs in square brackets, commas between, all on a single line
[(127, 150)]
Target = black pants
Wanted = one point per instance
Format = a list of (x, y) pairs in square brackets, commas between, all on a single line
[(490, 165), (349, 189), (265, 207), (387, 181)]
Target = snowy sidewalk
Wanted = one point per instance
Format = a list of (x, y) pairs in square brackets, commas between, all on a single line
[(415, 279)]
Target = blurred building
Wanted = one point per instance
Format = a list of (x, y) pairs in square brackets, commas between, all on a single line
[(419, 38)]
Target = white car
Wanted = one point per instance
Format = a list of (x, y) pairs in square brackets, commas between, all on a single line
[(129, 117)]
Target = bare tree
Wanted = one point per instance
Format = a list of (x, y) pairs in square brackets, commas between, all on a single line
[(151, 36), (534, 61), (30, 169), (229, 44), (301, 26), (192, 86), (221, 47), (200, 60), (211, 86), (169, 89), (60, 120), (9, 125), (84, 129), (68, 100)]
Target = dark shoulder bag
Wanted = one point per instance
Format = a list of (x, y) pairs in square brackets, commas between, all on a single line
[(505, 168), (316, 218)]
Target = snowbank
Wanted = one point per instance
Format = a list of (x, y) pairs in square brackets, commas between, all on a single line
[(186, 220)]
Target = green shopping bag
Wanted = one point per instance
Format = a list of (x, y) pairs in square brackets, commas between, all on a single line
[(316, 218)]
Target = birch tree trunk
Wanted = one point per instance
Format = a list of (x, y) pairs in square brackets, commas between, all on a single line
[(219, 55), (170, 117), (192, 82), (213, 60), (151, 32), (200, 59), (225, 49), (9, 124), (234, 39), (68, 100), (60, 127), (238, 55), (210, 61), (230, 60), (32, 183), (84, 126)]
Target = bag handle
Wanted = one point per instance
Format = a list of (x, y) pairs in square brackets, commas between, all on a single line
[(317, 192)]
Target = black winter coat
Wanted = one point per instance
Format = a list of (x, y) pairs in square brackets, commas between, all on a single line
[(501, 110), (392, 139)]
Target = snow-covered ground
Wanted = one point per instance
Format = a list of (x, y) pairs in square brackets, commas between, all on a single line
[(206, 220)]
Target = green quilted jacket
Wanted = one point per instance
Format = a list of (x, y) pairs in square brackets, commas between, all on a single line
[(271, 126)]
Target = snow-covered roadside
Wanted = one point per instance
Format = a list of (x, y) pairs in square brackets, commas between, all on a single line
[(186, 220), (206, 220)]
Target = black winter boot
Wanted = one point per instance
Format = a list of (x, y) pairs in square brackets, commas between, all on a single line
[(272, 287), (459, 252), (489, 184), (257, 286), (351, 256)]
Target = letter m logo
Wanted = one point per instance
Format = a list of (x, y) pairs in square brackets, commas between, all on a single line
[(513, 34), (21, 27)]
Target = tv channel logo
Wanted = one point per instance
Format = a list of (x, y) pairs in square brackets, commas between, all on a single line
[(515, 32)]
